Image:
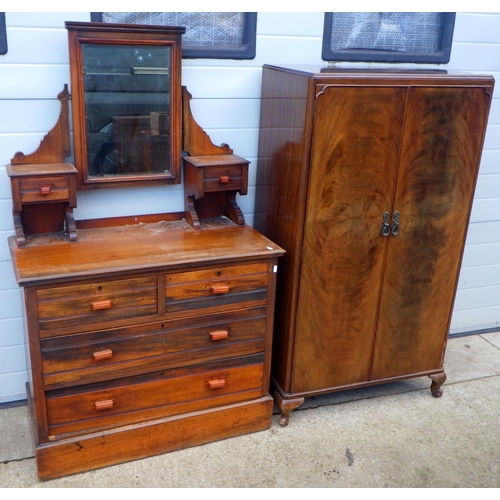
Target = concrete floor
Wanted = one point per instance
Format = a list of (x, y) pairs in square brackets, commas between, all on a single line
[(389, 436)]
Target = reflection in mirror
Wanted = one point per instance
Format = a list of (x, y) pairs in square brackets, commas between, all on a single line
[(126, 93)]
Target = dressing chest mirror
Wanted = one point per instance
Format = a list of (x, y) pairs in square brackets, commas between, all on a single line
[(126, 98)]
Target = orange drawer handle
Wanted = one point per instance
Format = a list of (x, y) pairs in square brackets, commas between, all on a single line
[(101, 304), (45, 190), (106, 404), (219, 335), (217, 289), (224, 179), (217, 384), (104, 354)]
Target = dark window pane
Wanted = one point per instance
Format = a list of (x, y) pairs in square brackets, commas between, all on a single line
[(228, 35), (3, 34), (388, 36)]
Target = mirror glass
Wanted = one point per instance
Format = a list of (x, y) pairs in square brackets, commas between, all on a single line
[(127, 109)]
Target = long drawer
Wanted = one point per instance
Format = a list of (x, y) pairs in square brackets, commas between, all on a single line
[(222, 287), (89, 357), (169, 392), (91, 303)]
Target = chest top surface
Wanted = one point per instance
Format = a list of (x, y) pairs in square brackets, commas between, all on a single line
[(136, 248)]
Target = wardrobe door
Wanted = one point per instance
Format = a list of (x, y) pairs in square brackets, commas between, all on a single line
[(354, 156), (441, 147)]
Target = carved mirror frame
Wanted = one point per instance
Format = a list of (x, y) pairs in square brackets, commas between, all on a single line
[(164, 126)]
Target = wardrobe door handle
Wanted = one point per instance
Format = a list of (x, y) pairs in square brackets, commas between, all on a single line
[(395, 224), (385, 230)]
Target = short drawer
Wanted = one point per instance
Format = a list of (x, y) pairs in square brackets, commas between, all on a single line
[(223, 178), (95, 356), (218, 287), (155, 395), (43, 189), (88, 303)]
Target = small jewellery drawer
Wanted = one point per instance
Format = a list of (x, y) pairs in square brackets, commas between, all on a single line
[(89, 303), (213, 173), (155, 395), (43, 189), (95, 356), (217, 287), (223, 178)]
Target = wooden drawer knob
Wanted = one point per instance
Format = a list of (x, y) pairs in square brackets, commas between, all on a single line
[(106, 404), (219, 335), (218, 289), (217, 384), (45, 190), (104, 354), (224, 179), (101, 304)]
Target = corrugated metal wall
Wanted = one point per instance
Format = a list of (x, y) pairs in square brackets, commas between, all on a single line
[(226, 104)]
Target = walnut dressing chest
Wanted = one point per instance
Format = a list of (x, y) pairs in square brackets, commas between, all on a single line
[(145, 339), (146, 333)]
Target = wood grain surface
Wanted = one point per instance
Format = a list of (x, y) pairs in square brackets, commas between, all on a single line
[(440, 154), (120, 250), (353, 169), (339, 150)]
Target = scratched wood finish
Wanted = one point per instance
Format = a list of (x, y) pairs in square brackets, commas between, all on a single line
[(201, 289), (337, 149), (153, 395), (82, 453), (108, 356), (69, 359), (122, 249), (72, 306)]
